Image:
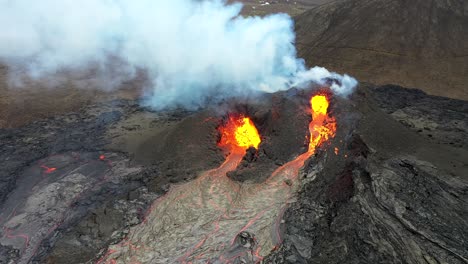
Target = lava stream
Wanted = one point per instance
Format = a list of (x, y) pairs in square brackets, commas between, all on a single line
[(237, 135), (321, 128), (216, 220)]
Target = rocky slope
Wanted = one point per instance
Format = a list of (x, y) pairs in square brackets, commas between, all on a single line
[(400, 195), (417, 43)]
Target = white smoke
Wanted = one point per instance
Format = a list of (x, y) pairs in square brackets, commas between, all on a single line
[(192, 50), (342, 85)]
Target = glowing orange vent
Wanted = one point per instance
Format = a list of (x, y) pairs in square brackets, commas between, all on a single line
[(322, 127), (238, 134)]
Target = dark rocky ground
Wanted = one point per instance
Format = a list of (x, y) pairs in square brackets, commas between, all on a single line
[(72, 144), (396, 192), (400, 195)]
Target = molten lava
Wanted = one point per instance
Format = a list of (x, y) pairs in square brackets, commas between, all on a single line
[(322, 127), (238, 134), (48, 170), (319, 105)]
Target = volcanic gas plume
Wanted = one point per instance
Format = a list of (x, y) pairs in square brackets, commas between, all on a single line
[(193, 52), (214, 219)]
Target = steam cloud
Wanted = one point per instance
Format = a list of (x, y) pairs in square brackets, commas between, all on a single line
[(192, 50)]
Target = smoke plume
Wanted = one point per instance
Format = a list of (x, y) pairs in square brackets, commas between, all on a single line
[(192, 51)]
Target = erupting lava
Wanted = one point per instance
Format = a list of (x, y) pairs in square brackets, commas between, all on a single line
[(238, 134), (322, 127), (216, 220)]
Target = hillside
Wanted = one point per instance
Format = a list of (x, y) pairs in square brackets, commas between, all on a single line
[(265, 7), (413, 43)]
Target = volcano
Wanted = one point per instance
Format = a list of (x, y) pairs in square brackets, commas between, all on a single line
[(284, 178), (301, 175), (421, 44)]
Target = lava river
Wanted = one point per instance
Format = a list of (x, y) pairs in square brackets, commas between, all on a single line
[(216, 220)]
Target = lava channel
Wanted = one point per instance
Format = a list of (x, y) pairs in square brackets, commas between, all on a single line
[(216, 220)]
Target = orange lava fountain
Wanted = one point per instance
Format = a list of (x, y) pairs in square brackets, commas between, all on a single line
[(237, 135), (321, 128)]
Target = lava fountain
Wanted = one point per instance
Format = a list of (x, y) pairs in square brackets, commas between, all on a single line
[(216, 220), (321, 128), (238, 134)]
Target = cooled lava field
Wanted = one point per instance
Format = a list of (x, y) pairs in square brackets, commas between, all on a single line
[(299, 176)]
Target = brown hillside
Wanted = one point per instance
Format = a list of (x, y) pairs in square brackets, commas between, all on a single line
[(413, 43)]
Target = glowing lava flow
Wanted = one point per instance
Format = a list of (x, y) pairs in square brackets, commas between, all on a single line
[(237, 135), (216, 220), (48, 170), (322, 127)]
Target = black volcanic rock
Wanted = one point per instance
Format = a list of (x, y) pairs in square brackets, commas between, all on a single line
[(391, 196), (443, 120)]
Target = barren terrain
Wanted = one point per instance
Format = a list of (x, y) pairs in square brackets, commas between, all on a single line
[(293, 8), (421, 44)]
